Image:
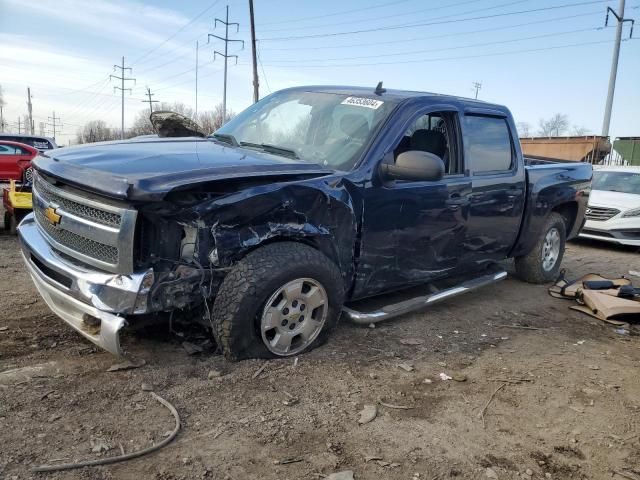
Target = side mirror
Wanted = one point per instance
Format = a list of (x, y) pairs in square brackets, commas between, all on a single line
[(415, 165)]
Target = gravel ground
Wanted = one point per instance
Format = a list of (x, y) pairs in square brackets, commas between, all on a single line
[(569, 407)]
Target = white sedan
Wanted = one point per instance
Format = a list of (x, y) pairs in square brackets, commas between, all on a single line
[(613, 213)]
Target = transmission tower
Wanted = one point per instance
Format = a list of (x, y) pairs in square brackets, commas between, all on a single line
[(150, 101), (225, 55), (477, 86), (122, 78), (55, 123)]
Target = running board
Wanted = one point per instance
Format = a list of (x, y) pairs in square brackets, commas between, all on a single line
[(397, 309)]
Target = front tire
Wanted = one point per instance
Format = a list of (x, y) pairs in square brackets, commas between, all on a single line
[(280, 300), (542, 263)]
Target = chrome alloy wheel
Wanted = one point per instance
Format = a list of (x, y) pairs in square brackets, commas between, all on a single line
[(294, 316), (550, 249)]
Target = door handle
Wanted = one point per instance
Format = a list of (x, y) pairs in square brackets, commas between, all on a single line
[(456, 201)]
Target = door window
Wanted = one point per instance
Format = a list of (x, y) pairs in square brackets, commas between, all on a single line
[(8, 150), (434, 133), (488, 144)]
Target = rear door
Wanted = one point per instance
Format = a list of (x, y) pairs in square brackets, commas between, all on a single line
[(9, 156), (498, 185)]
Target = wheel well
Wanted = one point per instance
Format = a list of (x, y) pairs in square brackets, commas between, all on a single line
[(568, 211)]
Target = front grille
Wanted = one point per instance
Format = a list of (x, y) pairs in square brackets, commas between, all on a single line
[(601, 213), (78, 243), (75, 208), (86, 228)]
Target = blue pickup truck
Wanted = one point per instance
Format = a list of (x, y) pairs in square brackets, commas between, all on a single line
[(271, 228)]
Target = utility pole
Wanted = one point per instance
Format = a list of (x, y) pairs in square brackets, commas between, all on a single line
[(225, 55), (54, 123), (122, 89), (197, 48), (1, 119), (477, 86), (150, 101), (614, 62), (19, 126), (29, 108), (256, 84)]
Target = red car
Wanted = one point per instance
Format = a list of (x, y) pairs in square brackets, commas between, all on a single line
[(15, 160)]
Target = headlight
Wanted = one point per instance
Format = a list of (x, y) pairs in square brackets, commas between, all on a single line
[(632, 213)]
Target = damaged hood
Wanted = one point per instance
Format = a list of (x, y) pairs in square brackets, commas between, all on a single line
[(148, 169)]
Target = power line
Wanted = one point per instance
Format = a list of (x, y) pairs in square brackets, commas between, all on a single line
[(457, 47), (173, 35), (430, 37), (385, 18), (426, 24), (122, 89), (302, 19), (425, 60)]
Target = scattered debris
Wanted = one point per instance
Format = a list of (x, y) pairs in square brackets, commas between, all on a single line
[(345, 475), (427, 380), (395, 407), (444, 376), (54, 417), (627, 474), (146, 387), (593, 367), (484, 410), (634, 273), (580, 342), (372, 325), (522, 327), (4, 329), (459, 377), (260, 370), (99, 445), (287, 461), (46, 394), (411, 341), (406, 367), (191, 348), (291, 401), (369, 458), (213, 373), (295, 362), (490, 473), (368, 414), (120, 458), (126, 365)]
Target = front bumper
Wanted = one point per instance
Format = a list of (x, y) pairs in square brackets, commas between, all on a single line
[(622, 231), (94, 303)]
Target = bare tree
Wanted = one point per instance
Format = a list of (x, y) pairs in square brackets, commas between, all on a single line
[(96, 131), (524, 129), (554, 127), (579, 131), (2, 104), (212, 120)]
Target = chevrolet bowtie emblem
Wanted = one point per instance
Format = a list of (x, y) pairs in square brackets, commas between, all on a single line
[(52, 216)]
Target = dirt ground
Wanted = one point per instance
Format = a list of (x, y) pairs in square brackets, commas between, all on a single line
[(562, 398)]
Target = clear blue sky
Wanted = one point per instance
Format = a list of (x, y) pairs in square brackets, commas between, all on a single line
[(554, 60)]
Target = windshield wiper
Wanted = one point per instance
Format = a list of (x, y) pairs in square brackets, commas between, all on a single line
[(226, 138), (285, 152)]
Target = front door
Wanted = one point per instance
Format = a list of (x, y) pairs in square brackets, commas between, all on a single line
[(412, 231)]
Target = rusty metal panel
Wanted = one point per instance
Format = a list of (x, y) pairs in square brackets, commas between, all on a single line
[(590, 149)]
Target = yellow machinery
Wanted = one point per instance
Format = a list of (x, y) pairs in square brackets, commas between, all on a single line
[(17, 204)]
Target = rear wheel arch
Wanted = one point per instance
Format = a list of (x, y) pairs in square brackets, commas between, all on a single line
[(569, 212)]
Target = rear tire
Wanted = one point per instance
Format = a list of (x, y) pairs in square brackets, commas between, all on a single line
[(260, 308), (542, 263)]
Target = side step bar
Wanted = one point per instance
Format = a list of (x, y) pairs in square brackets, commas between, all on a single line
[(397, 309)]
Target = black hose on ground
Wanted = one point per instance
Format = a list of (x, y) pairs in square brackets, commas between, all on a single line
[(119, 458)]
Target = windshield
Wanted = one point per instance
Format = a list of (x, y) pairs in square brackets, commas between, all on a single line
[(623, 182), (325, 128)]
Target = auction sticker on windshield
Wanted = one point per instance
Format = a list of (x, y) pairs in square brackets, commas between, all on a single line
[(363, 102)]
